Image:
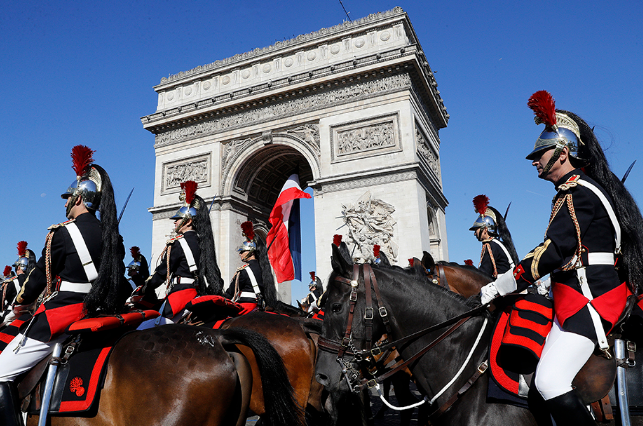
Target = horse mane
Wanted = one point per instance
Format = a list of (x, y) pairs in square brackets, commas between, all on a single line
[(467, 267)]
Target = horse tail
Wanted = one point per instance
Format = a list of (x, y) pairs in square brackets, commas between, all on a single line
[(281, 407)]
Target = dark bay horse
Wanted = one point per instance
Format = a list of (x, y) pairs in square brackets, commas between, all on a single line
[(182, 375), (297, 351), (412, 304)]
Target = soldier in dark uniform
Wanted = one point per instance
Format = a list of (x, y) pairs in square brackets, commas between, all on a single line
[(498, 252), (188, 265), (311, 302), (253, 284), (594, 225), (138, 269), (80, 273), (23, 265)]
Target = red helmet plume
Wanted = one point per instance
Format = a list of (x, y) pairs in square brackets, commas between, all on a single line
[(544, 107), (468, 262), (411, 261), (7, 271), (135, 251), (337, 239), (248, 230), (22, 248), (312, 275), (376, 250), (81, 158), (189, 189), (480, 203)]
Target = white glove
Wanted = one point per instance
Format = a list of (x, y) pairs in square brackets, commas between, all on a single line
[(506, 283), (543, 286), (488, 293)]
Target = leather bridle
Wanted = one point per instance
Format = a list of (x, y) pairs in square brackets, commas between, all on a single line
[(347, 348)]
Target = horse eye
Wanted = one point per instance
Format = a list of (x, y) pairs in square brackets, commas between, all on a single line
[(337, 307)]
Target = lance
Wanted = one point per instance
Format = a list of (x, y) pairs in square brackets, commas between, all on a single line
[(211, 204), (627, 173), (125, 205), (507, 211)]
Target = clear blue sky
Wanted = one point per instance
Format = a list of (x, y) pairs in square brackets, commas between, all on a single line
[(82, 73)]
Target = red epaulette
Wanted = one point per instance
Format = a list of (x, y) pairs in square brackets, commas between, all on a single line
[(172, 240)]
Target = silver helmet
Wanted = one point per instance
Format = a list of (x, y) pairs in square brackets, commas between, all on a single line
[(190, 203), (134, 266), (248, 231), (88, 183), (560, 130), (23, 256), (487, 218)]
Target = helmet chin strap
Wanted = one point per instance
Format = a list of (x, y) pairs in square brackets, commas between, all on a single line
[(555, 156)]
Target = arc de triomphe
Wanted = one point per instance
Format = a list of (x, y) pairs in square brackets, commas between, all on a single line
[(354, 107)]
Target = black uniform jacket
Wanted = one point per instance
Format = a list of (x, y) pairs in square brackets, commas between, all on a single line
[(245, 285), (556, 252), (9, 290), (57, 313), (178, 263), (500, 260), (309, 297), (180, 293)]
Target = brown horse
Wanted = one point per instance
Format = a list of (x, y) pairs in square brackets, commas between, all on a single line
[(181, 375), (296, 349)]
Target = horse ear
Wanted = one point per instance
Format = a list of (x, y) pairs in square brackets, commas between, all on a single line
[(339, 264), (418, 267), (384, 259), (427, 261)]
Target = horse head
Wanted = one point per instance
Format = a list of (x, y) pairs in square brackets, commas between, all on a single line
[(365, 302)]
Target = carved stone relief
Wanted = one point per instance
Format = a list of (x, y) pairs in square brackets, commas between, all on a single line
[(194, 168), (426, 152), (288, 108), (361, 138), (370, 221), (309, 133)]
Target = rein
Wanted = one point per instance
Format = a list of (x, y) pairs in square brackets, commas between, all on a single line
[(345, 347)]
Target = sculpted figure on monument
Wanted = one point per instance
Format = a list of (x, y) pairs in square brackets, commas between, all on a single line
[(370, 222)]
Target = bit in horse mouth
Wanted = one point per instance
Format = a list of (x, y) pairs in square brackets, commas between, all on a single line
[(204, 339)]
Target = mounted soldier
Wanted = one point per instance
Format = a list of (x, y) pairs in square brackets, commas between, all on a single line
[(80, 273), (594, 242), (310, 303), (138, 269), (11, 286), (188, 265), (252, 285), (498, 252)]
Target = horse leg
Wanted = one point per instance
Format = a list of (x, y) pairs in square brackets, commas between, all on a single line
[(404, 396)]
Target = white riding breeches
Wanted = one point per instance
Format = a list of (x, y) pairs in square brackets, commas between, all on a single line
[(563, 356), (31, 351)]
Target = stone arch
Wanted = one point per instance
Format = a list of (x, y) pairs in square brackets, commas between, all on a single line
[(259, 169)]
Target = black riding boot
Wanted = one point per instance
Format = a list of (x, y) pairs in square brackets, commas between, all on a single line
[(9, 408), (537, 407), (568, 409)]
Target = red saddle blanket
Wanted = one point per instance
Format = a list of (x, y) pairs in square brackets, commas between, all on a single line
[(79, 380)]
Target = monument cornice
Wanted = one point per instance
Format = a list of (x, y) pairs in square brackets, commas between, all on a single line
[(282, 47), (311, 81), (332, 94), (386, 40)]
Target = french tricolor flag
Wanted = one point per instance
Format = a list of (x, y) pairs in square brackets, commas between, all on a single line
[(277, 239)]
